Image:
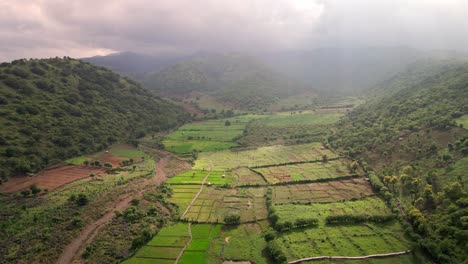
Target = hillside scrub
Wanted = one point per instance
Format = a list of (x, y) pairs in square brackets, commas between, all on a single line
[(54, 109)]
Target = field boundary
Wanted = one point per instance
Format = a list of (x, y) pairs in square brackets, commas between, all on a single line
[(292, 163), (351, 258), (186, 245)]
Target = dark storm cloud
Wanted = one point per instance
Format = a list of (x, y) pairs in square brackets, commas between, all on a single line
[(42, 28)]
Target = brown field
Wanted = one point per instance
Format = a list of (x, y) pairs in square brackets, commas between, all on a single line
[(50, 178), (332, 191)]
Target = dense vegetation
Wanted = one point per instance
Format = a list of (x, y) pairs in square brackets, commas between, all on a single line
[(410, 134), (233, 79), (53, 109)]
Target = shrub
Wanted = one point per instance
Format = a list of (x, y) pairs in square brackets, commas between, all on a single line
[(135, 201), (35, 189), (82, 200), (25, 193), (232, 219)]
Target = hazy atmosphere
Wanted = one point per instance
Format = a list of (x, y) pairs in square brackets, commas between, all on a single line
[(35, 28), (234, 132)]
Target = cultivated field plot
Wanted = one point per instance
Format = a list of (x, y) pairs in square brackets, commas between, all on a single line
[(402, 259), (207, 135), (370, 206), (273, 155), (50, 178), (241, 242), (197, 176), (307, 171), (183, 194), (303, 118), (247, 177), (332, 191), (164, 247), (202, 234), (356, 240), (213, 204), (114, 155), (290, 128)]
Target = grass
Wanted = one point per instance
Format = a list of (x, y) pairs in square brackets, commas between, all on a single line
[(463, 121), (367, 206), (272, 155), (214, 203), (356, 240), (333, 191), (306, 171), (130, 153)]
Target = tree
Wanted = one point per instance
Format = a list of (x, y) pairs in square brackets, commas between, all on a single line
[(454, 191), (35, 189), (227, 123), (82, 199), (135, 201), (108, 165), (86, 162), (25, 193), (92, 175), (232, 219)]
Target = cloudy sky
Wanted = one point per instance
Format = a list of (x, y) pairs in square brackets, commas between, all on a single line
[(80, 28)]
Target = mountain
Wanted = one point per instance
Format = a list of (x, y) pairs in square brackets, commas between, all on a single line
[(347, 69), (237, 80), (133, 64), (53, 109), (411, 136)]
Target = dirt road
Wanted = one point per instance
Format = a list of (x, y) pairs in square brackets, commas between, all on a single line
[(72, 253)]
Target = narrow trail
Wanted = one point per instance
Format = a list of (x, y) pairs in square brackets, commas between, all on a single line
[(201, 189), (351, 258), (73, 251), (186, 245)]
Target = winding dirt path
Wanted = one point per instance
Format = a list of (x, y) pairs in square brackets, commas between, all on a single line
[(198, 194), (73, 251), (186, 245)]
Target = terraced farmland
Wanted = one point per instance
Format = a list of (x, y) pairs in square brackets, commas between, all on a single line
[(356, 240), (213, 204), (165, 247), (369, 206), (273, 155), (307, 171), (332, 191), (209, 135)]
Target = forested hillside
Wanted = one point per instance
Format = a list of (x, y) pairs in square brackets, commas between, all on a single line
[(411, 135), (53, 109), (236, 80)]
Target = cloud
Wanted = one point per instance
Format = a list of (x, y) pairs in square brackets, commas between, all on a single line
[(43, 28)]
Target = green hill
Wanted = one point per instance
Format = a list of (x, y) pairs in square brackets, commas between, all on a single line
[(235, 80), (53, 109), (410, 134)]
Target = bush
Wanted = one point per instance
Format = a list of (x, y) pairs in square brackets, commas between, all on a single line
[(25, 193), (35, 189), (276, 253), (82, 200), (135, 201), (232, 219)]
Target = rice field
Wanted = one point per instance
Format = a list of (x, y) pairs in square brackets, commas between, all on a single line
[(354, 240), (213, 204), (202, 235), (273, 155), (370, 206), (332, 191), (164, 247), (197, 176), (183, 195), (307, 171)]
